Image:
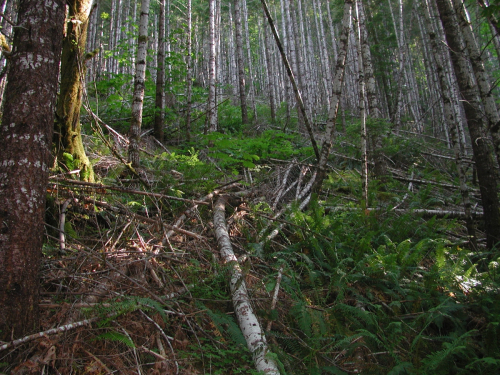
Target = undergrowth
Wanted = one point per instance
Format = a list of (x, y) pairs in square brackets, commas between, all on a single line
[(374, 292)]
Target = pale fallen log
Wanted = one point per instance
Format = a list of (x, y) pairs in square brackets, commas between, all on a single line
[(247, 320), (418, 211)]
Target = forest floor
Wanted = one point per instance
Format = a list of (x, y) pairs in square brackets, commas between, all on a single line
[(136, 284)]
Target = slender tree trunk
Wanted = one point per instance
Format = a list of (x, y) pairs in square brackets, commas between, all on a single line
[(296, 90), (241, 66), (160, 77), (371, 93), (338, 81), (68, 141), (362, 111), (27, 127), (212, 102), (139, 87), (488, 183), (189, 62), (269, 73), (252, 93)]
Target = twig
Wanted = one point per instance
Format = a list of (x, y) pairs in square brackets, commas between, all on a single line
[(275, 296), (62, 224)]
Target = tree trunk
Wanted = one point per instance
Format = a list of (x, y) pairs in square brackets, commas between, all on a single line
[(27, 127), (269, 72), (189, 75), (362, 110), (212, 101), (482, 78), (452, 122), (338, 81), (247, 320), (68, 136), (239, 58), (371, 93), (160, 77), (139, 87), (488, 183)]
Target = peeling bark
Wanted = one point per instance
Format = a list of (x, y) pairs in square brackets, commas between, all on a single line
[(247, 320)]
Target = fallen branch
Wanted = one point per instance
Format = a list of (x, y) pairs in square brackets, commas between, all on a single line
[(424, 212), (247, 320), (52, 331), (102, 187)]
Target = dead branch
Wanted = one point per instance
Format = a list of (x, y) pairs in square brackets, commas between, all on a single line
[(102, 187), (52, 331)]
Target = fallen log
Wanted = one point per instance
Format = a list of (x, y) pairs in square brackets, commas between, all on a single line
[(247, 320)]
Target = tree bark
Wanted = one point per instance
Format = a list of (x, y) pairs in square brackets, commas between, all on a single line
[(488, 183), (160, 77), (139, 87), (212, 73), (68, 133), (239, 58), (26, 132), (247, 320), (452, 122), (482, 78), (338, 81)]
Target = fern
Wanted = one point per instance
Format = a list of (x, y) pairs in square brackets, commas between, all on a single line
[(439, 358), (115, 336), (226, 324), (112, 309)]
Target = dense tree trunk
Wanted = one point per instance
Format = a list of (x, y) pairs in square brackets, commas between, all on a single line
[(488, 183), (68, 136), (139, 87), (27, 127), (160, 77)]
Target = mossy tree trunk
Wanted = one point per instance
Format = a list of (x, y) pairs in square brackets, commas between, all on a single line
[(68, 137)]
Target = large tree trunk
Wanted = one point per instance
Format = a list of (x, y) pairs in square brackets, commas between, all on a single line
[(68, 136), (482, 78), (139, 87), (26, 132), (488, 183), (452, 122)]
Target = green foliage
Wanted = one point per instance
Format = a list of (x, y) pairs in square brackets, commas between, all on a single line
[(117, 337), (110, 310), (396, 287)]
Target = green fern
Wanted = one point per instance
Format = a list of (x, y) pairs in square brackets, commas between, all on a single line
[(115, 336), (110, 310)]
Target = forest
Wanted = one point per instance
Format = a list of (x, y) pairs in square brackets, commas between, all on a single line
[(249, 187)]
